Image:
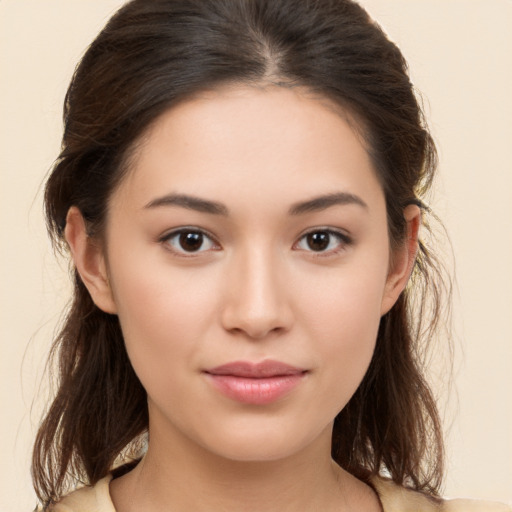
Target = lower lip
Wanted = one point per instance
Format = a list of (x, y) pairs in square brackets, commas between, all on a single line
[(256, 391)]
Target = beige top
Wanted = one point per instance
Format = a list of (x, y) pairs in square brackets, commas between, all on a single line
[(394, 499)]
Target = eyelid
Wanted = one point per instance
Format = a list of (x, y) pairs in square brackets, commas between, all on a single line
[(164, 239), (345, 241)]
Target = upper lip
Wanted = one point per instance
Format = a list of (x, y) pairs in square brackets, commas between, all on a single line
[(267, 368)]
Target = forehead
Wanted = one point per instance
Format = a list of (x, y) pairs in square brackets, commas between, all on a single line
[(275, 142)]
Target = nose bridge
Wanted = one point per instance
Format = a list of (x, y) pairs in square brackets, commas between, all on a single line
[(257, 298)]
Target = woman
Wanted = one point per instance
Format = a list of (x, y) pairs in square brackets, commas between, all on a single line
[(240, 189)]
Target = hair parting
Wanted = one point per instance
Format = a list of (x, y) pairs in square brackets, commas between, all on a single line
[(148, 58)]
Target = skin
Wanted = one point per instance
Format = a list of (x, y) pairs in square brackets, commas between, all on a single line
[(256, 289)]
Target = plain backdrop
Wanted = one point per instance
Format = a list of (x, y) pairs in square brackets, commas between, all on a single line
[(460, 58)]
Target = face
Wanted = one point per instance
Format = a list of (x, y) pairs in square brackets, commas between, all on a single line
[(249, 264)]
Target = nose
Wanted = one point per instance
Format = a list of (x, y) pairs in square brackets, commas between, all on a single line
[(257, 302)]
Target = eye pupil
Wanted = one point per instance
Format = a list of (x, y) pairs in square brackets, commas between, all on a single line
[(318, 241), (191, 241)]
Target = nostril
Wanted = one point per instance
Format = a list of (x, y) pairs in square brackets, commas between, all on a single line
[(256, 303), (256, 332)]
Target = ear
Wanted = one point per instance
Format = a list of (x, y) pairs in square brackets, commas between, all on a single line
[(89, 260), (402, 260)]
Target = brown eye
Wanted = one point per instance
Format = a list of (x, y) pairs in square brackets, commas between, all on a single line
[(323, 241), (187, 241), (191, 242), (318, 241)]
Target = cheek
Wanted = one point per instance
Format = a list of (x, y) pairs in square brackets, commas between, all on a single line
[(345, 303), (163, 314), (344, 321)]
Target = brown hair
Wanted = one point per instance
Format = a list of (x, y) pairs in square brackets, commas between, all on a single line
[(153, 54)]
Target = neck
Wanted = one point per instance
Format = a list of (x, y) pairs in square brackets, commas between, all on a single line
[(182, 476)]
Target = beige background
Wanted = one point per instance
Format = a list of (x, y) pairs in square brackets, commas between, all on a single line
[(460, 54)]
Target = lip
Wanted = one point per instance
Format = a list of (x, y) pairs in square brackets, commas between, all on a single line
[(255, 383)]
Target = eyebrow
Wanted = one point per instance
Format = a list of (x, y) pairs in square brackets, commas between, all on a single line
[(326, 201), (213, 207), (190, 203)]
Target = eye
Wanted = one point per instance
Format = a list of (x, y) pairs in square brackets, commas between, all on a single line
[(189, 241), (323, 241)]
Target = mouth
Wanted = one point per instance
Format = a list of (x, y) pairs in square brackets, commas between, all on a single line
[(255, 383)]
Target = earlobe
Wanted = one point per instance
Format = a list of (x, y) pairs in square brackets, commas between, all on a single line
[(89, 260), (403, 260)]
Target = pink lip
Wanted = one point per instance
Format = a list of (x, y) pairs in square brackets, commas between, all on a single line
[(260, 383)]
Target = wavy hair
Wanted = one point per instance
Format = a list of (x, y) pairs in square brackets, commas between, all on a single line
[(154, 54)]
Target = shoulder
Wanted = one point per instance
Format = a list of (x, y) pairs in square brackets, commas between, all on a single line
[(474, 506), (94, 498), (395, 498)]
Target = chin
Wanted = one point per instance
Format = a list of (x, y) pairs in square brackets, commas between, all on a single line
[(276, 442)]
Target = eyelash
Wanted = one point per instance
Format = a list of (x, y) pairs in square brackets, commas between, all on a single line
[(167, 238), (344, 241)]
